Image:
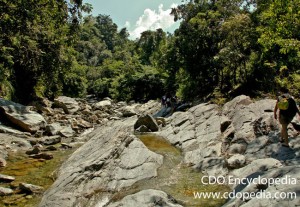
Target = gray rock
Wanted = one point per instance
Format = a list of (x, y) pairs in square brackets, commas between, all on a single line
[(34, 151), (147, 198), (235, 103), (21, 116), (67, 132), (110, 161), (83, 124), (29, 188), (148, 121), (142, 128), (236, 161), (259, 165), (6, 178), (13, 143), (5, 191), (102, 105), (151, 107), (52, 140), (214, 166), (128, 111), (69, 105), (53, 129), (287, 185), (237, 148), (198, 133)]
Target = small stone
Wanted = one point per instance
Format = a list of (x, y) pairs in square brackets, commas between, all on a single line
[(6, 178), (46, 156), (5, 191), (35, 150), (2, 162), (29, 188), (51, 148)]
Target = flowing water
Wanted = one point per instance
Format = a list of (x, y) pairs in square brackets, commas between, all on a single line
[(174, 177)]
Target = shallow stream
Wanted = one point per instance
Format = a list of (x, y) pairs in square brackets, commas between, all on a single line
[(174, 177), (28, 170)]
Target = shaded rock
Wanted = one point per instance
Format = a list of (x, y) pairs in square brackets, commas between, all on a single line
[(53, 129), (84, 124), (237, 148), (147, 198), (51, 148), (66, 146), (148, 121), (21, 116), (44, 155), (161, 121), (215, 166), (69, 105), (31, 189), (143, 128), (225, 123), (9, 130), (5, 191), (6, 178), (34, 151)]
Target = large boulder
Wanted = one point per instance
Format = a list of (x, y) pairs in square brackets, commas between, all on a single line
[(53, 129), (147, 121), (197, 133), (22, 116), (69, 105), (112, 159), (102, 105)]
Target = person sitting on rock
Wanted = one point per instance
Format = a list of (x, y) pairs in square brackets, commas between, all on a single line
[(287, 110)]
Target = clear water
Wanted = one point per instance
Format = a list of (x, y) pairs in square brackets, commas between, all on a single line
[(174, 177)]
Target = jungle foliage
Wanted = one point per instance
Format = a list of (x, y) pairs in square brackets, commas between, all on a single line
[(221, 49)]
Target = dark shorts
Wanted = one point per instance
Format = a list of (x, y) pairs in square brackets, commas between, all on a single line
[(284, 119)]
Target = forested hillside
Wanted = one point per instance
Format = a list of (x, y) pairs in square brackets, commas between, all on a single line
[(221, 49)]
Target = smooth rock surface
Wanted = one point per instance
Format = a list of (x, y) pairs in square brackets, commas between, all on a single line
[(22, 116)]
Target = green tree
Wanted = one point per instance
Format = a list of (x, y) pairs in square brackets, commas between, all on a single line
[(34, 38), (279, 28)]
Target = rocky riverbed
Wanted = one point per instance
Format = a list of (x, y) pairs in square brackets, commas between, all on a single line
[(114, 167)]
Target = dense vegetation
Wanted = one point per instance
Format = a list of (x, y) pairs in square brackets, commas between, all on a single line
[(221, 49)]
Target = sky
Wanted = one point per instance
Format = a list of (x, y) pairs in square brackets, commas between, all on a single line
[(138, 15)]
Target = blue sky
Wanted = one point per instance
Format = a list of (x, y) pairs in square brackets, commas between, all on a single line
[(137, 15)]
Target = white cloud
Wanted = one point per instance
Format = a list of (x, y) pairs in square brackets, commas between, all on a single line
[(127, 24), (152, 20)]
